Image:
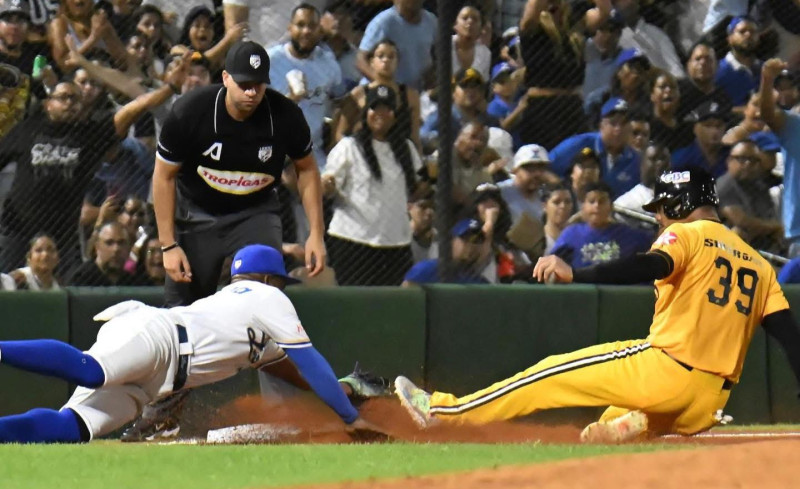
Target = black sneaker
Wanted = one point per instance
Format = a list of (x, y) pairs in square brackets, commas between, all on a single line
[(144, 429)]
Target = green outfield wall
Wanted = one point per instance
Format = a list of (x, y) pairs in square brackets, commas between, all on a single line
[(451, 337)]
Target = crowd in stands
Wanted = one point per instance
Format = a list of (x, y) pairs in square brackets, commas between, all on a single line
[(564, 112)]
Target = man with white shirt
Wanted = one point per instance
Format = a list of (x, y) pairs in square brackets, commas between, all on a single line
[(521, 192), (143, 353), (307, 74), (649, 39)]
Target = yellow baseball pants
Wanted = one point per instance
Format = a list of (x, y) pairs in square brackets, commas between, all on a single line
[(626, 375)]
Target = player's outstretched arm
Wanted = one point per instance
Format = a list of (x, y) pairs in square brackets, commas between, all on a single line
[(782, 326), (319, 375)]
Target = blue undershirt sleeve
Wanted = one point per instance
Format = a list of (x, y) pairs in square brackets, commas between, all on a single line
[(319, 375)]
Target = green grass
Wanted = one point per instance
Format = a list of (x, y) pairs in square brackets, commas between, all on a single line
[(103, 465)]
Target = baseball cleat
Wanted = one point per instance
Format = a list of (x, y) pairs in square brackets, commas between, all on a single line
[(149, 430), (416, 401), (623, 429)]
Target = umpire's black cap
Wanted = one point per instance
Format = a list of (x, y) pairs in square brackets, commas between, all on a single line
[(247, 61)]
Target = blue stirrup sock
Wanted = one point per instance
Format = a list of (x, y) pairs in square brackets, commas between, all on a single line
[(53, 358), (41, 426)]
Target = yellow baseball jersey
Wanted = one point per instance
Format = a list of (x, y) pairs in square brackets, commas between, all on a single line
[(719, 290)]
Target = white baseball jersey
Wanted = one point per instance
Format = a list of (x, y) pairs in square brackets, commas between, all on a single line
[(245, 325), (231, 330)]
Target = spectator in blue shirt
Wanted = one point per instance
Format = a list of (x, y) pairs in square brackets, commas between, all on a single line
[(413, 30), (507, 105), (740, 70), (786, 126), (468, 243), (620, 162), (707, 150), (598, 239), (469, 104), (790, 273)]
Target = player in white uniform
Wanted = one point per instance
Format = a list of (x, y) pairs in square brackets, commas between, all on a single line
[(143, 353)]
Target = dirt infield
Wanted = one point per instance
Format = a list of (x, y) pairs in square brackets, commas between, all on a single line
[(318, 424), (748, 460)]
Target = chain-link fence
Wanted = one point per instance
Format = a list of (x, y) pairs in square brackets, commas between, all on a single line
[(456, 142)]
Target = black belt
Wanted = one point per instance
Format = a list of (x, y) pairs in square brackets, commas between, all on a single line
[(183, 361), (726, 385)]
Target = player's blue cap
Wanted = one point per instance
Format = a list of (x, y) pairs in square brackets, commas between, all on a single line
[(259, 258), (614, 105), (467, 227)]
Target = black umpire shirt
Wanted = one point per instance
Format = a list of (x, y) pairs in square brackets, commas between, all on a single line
[(228, 166)]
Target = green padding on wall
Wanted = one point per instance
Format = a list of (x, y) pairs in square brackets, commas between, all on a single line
[(749, 402), (383, 328), (625, 312), (482, 334), (32, 315), (782, 382)]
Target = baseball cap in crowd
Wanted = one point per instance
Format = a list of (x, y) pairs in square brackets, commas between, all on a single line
[(766, 141), (738, 20), (19, 7), (630, 56), (381, 95), (529, 154), (467, 228), (259, 258), (247, 61), (792, 77), (710, 110), (467, 77), (614, 21), (614, 105), (501, 69)]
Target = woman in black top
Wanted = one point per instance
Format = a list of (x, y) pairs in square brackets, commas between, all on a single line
[(552, 38), (666, 127), (383, 60)]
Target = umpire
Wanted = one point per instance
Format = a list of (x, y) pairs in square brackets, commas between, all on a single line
[(219, 159)]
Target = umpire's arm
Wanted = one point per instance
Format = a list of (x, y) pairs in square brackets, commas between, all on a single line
[(165, 176), (309, 186)]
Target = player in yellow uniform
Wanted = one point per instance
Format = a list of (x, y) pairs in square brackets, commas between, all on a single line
[(712, 291)]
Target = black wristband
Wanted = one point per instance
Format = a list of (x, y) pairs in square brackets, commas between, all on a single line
[(165, 249)]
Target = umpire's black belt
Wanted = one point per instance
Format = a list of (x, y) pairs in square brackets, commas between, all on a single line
[(726, 385), (183, 359)]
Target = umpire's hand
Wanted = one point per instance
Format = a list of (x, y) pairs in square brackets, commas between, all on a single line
[(315, 255), (177, 265)]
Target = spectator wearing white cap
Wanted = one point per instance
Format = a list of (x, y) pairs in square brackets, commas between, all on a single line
[(531, 170)]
